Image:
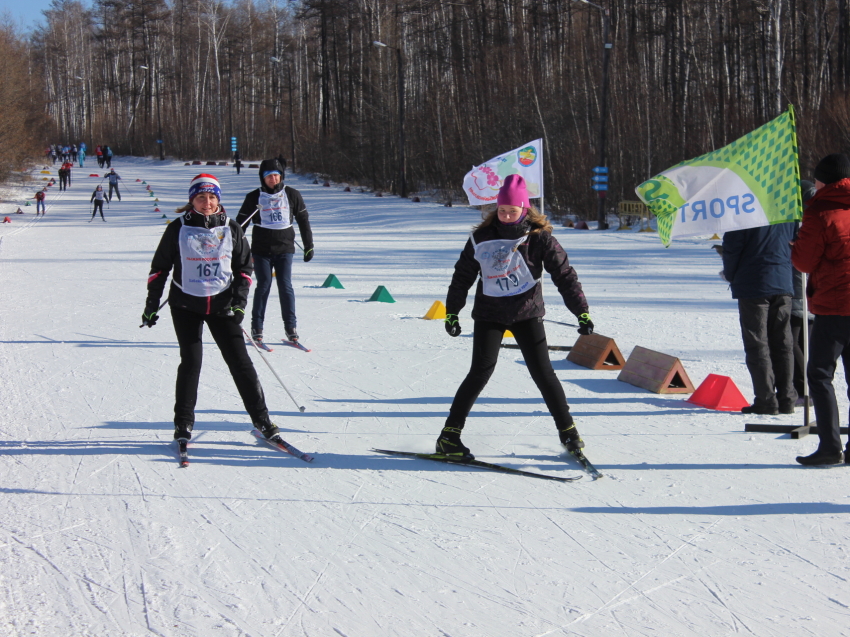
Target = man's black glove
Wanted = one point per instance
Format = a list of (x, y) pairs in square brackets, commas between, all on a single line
[(585, 324), (235, 313), (452, 325), (308, 254), (149, 317)]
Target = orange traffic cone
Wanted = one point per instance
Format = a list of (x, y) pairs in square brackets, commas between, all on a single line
[(720, 393)]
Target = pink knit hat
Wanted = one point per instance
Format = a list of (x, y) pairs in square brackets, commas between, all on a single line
[(513, 192)]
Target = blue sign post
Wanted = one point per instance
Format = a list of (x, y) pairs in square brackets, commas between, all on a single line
[(600, 180)]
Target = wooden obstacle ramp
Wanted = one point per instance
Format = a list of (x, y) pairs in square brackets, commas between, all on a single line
[(656, 372), (595, 351)]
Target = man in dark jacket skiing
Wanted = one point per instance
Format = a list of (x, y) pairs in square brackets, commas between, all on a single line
[(112, 177), (757, 262), (272, 208), (822, 250)]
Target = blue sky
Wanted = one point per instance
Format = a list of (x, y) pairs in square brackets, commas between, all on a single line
[(27, 13)]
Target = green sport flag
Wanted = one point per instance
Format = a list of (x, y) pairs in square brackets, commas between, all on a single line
[(752, 182)]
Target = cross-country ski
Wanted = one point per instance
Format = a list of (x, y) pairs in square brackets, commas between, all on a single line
[(477, 463)]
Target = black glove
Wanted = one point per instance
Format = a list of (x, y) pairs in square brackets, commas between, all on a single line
[(149, 317), (234, 313), (452, 325), (585, 324), (308, 254)]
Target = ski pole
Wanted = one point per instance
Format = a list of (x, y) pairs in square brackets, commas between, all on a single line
[(249, 217), (301, 408), (159, 308), (559, 323)]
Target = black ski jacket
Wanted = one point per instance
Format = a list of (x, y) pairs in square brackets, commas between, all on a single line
[(167, 256), (266, 242), (541, 251)]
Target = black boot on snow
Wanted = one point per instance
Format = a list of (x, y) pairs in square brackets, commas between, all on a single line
[(449, 444), (267, 428), (570, 438), (183, 431), (291, 334)]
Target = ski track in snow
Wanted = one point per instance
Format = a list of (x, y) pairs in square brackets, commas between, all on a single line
[(697, 529)]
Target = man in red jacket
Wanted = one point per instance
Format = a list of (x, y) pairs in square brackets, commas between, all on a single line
[(822, 250)]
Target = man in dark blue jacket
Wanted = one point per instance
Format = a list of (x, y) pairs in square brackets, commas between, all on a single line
[(757, 262)]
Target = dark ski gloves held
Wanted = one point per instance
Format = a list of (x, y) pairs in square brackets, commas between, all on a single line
[(149, 318), (452, 325), (585, 324), (235, 313), (308, 254)]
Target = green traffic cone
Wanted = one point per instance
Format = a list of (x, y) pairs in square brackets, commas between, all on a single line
[(382, 295), (332, 282)]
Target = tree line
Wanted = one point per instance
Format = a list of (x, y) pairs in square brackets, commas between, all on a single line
[(22, 117), (305, 80)]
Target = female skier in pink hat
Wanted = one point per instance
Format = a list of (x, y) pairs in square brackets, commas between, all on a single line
[(507, 253)]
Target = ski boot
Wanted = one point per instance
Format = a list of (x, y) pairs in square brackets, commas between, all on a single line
[(183, 431), (267, 428), (570, 439), (291, 334), (449, 444)]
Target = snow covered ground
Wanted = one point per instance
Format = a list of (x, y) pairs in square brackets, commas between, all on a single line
[(697, 529)]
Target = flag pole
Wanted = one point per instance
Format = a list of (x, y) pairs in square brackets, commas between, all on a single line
[(806, 420)]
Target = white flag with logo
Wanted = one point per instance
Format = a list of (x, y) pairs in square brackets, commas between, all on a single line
[(482, 183)]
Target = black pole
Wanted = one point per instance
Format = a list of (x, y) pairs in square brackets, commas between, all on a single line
[(291, 119), (602, 224), (159, 119), (401, 172)]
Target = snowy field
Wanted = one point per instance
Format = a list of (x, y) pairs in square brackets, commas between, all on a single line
[(698, 529)]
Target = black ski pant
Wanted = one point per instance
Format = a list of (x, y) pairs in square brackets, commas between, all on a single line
[(768, 349), (830, 340), (486, 343), (98, 205), (228, 335), (63, 182), (111, 188)]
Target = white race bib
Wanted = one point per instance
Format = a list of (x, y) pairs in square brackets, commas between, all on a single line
[(274, 210), (503, 270), (206, 254)]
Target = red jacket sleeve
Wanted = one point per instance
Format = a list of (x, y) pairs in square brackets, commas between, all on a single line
[(808, 250)]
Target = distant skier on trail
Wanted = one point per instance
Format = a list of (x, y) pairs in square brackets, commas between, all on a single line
[(272, 208), (212, 267), (507, 253), (97, 197), (39, 201), (113, 178)]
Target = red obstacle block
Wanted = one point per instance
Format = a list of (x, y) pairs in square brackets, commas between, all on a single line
[(720, 393), (7, 220), (93, 175)]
